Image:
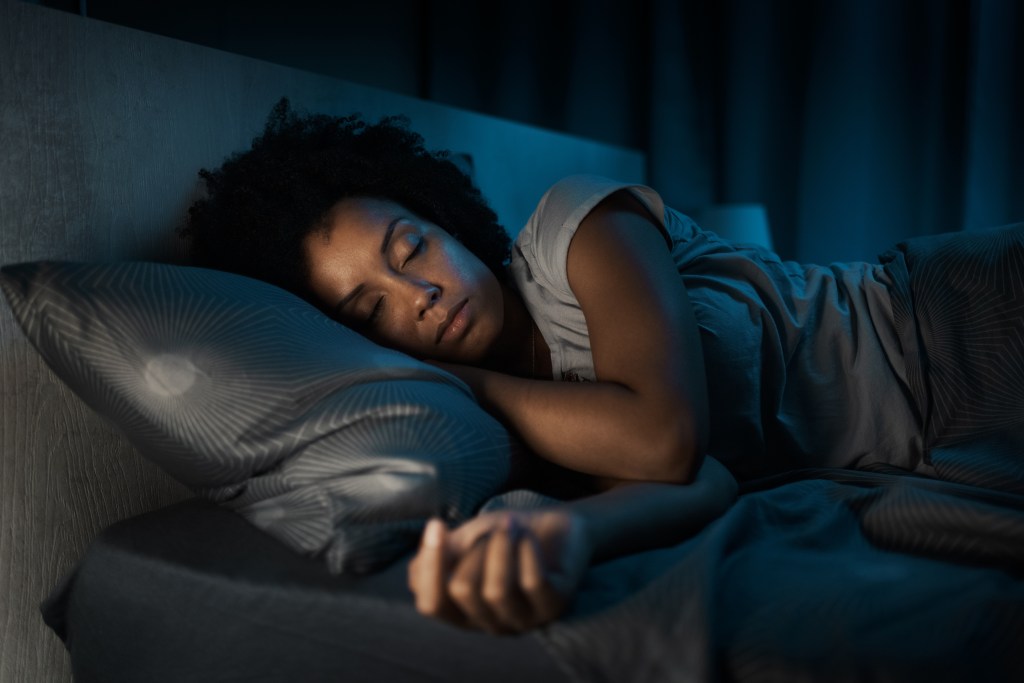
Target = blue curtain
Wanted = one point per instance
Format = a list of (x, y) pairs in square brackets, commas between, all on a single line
[(856, 122)]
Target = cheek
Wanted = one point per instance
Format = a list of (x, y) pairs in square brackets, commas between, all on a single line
[(461, 267), (470, 270)]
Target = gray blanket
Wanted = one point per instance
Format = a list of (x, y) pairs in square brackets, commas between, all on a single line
[(840, 576)]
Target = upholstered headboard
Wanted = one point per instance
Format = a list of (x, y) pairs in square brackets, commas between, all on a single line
[(102, 130)]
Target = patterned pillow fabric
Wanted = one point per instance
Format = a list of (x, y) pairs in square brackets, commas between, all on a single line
[(255, 399)]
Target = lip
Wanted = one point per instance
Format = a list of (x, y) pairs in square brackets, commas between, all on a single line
[(454, 323)]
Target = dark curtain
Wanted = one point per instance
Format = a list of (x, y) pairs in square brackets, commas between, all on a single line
[(856, 122)]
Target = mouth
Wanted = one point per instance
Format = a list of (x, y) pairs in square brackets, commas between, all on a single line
[(453, 323)]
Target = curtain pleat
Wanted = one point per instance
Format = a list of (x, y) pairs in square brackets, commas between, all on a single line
[(856, 122)]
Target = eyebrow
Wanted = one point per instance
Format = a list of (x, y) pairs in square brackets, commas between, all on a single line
[(383, 249), (387, 235)]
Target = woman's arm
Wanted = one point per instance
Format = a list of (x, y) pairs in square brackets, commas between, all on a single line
[(510, 571), (646, 417)]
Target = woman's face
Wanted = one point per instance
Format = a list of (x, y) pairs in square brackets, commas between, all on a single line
[(404, 282)]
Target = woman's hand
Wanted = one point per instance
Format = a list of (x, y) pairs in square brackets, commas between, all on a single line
[(510, 571), (501, 572)]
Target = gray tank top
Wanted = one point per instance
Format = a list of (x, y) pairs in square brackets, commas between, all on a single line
[(803, 362)]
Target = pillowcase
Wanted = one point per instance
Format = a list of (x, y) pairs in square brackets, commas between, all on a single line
[(253, 398)]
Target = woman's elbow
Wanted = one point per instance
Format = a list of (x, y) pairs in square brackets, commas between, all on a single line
[(676, 454), (667, 433), (682, 440)]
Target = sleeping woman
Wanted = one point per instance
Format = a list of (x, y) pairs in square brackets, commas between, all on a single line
[(618, 341)]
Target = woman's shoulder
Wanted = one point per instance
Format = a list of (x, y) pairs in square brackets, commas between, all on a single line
[(544, 241), (568, 201)]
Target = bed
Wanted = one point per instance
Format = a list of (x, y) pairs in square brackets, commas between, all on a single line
[(151, 537)]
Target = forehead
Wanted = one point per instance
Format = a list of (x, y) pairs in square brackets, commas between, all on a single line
[(349, 239), (340, 255), (357, 217)]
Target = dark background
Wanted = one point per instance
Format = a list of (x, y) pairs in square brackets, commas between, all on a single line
[(856, 122)]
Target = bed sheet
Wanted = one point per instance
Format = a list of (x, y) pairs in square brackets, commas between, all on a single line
[(827, 575), (820, 575)]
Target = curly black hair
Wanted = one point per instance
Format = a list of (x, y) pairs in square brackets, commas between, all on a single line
[(262, 203)]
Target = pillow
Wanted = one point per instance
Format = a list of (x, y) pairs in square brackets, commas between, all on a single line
[(253, 398)]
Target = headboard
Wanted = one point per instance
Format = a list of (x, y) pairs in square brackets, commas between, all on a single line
[(102, 130)]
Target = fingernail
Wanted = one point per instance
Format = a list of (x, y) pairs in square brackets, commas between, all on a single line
[(433, 533)]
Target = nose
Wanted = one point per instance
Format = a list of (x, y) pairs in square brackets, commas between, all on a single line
[(425, 295)]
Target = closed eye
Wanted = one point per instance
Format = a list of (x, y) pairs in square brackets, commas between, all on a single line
[(375, 314), (415, 251)]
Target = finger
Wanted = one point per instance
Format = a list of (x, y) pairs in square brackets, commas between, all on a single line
[(500, 588), (545, 602), (427, 570), (461, 539), (464, 588)]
